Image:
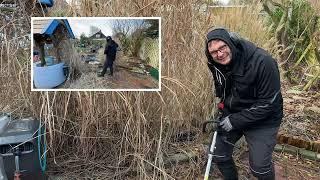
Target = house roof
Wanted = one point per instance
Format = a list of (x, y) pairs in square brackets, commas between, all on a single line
[(48, 3), (98, 32), (48, 26)]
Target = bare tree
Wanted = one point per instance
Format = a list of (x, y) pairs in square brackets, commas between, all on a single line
[(129, 32), (126, 26)]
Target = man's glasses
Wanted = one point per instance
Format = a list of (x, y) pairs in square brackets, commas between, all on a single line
[(222, 49)]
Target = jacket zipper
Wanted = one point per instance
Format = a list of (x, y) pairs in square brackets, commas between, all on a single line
[(231, 99)]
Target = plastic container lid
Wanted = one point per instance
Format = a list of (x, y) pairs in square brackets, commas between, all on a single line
[(49, 60)]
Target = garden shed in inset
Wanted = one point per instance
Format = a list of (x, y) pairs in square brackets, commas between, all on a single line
[(52, 43), (56, 34)]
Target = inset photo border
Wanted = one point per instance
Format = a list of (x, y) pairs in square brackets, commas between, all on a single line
[(96, 54)]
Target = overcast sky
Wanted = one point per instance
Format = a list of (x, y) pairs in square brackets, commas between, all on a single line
[(80, 26), (224, 2)]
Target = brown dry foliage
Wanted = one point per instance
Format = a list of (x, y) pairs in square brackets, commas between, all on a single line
[(126, 133)]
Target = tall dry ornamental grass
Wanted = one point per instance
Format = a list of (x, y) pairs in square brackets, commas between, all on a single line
[(118, 135)]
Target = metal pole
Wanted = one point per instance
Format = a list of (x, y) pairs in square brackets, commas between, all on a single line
[(3, 175), (16, 159), (17, 173), (210, 154)]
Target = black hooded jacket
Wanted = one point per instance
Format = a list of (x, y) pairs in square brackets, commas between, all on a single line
[(111, 50), (249, 86)]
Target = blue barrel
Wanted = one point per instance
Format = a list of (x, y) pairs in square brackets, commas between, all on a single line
[(48, 77)]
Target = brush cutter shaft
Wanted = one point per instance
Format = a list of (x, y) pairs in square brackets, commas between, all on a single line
[(210, 154)]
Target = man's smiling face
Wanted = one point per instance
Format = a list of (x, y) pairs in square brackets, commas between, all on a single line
[(220, 52)]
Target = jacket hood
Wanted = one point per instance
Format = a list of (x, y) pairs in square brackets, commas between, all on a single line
[(245, 50), (241, 49), (220, 34)]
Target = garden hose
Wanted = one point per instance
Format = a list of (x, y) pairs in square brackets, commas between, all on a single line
[(43, 148)]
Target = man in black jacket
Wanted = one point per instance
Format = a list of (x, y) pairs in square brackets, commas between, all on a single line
[(110, 51), (247, 81)]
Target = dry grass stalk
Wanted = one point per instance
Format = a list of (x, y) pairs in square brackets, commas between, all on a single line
[(125, 133)]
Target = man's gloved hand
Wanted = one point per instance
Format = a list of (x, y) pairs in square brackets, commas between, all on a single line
[(225, 124)]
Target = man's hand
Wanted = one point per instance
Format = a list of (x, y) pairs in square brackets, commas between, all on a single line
[(225, 124)]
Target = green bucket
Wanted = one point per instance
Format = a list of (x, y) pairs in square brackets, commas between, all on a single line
[(154, 73)]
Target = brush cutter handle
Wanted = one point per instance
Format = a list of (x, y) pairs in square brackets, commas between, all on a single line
[(217, 120), (204, 125)]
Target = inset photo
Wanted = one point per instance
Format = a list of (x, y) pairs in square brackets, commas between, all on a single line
[(96, 54)]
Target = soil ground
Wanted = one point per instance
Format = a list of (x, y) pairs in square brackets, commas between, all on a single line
[(129, 73)]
